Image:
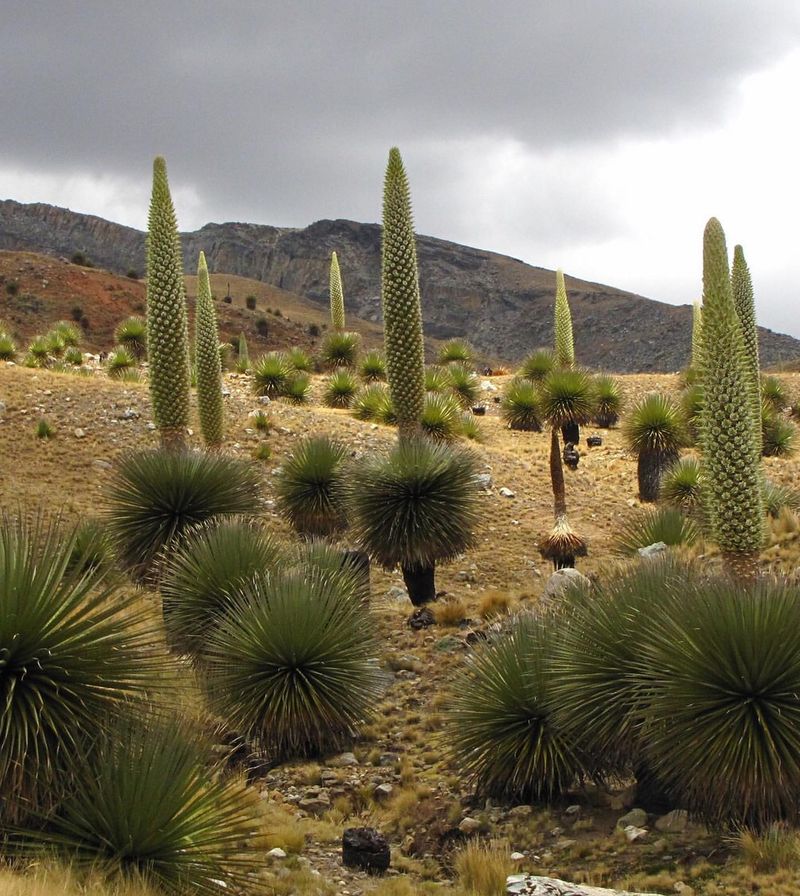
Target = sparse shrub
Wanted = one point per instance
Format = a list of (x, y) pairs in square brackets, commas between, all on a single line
[(667, 524), (262, 327), (494, 603), (131, 334), (151, 807), (12, 287), (300, 360), (156, 497), (340, 349), (608, 401), (441, 417), (277, 312), (202, 571), (367, 402), (292, 665), (76, 313), (414, 507), (778, 435), (80, 258), (271, 374), (537, 365), (450, 612), (44, 430), (520, 407), (464, 384), (76, 651), (500, 724), (8, 348), (436, 379), (262, 451), (261, 421), (773, 394), (775, 848), (250, 303), (654, 432), (73, 356), (311, 488), (681, 485), (132, 274), (298, 389), (120, 362), (372, 367), (313, 331), (455, 351), (340, 390)]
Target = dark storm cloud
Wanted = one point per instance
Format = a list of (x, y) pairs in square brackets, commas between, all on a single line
[(284, 112)]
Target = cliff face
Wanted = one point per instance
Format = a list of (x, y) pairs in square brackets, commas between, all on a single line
[(502, 305)]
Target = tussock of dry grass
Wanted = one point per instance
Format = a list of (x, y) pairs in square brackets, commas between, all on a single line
[(482, 868), (56, 880)]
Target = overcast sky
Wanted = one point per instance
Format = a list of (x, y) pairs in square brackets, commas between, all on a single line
[(593, 135)]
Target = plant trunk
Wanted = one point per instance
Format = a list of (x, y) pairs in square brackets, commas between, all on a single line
[(557, 477), (173, 439), (420, 584), (652, 466), (741, 565)]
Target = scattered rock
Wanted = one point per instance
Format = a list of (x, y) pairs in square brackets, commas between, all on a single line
[(386, 760), (632, 833), (2, 408), (315, 802), (636, 817), (653, 550), (102, 464), (486, 386), (571, 456), (469, 825), (382, 792), (277, 853), (484, 481), (365, 848), (562, 578), (673, 822), (479, 410), (594, 441), (421, 618), (79, 433), (506, 492), (343, 760), (517, 856), (396, 593), (531, 885)]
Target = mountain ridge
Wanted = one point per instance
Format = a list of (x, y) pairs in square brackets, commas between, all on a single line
[(501, 304)]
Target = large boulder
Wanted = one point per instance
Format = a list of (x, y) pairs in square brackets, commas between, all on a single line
[(530, 885)]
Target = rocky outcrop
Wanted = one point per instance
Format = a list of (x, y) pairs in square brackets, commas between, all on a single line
[(505, 307)]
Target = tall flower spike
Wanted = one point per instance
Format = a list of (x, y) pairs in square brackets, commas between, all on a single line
[(697, 333), (167, 327), (744, 303), (564, 345), (728, 436), (337, 295), (402, 313), (209, 369)]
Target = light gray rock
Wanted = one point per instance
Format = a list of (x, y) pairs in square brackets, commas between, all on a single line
[(562, 578), (673, 822), (653, 550), (636, 817), (277, 853), (530, 885), (469, 825), (506, 492), (632, 833), (79, 433), (343, 760), (483, 480)]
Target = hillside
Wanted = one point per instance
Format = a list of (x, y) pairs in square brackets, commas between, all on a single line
[(503, 305)]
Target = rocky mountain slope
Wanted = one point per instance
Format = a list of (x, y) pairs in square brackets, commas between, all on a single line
[(505, 307)]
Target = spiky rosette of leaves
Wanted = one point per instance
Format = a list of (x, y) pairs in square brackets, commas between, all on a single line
[(441, 416), (340, 390), (311, 487), (293, 664), (402, 312), (340, 349), (202, 571), (368, 401), (728, 435), (744, 303), (778, 436), (654, 432), (777, 497), (300, 360), (691, 401), (120, 362), (76, 650), (435, 379), (167, 327), (564, 345), (500, 723), (668, 525), (773, 395), (567, 397), (69, 334), (271, 373), (149, 805), (336, 294), (463, 383), (521, 407), (538, 364), (457, 351), (723, 714), (373, 367), (608, 401), (209, 368), (156, 497), (132, 335), (682, 485), (8, 348), (298, 389)]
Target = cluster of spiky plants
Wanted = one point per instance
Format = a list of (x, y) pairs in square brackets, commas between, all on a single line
[(300, 360), (156, 497), (131, 334), (298, 389), (311, 488), (500, 721), (668, 525), (340, 390), (340, 349), (120, 363), (608, 401), (457, 351), (728, 432), (415, 507), (293, 663), (436, 379), (76, 650), (654, 432), (209, 368), (441, 416), (372, 368), (150, 805), (167, 327), (202, 571), (402, 312), (463, 383), (271, 374), (537, 365), (777, 497), (368, 402), (520, 407)]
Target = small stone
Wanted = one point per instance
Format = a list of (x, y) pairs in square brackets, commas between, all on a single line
[(276, 853), (365, 848), (653, 550), (673, 822), (396, 593), (636, 817), (506, 492), (343, 760), (315, 803), (2, 407), (421, 618), (523, 811), (102, 464), (79, 433), (517, 856), (386, 760), (632, 833), (561, 579), (469, 825), (151, 426), (382, 792), (264, 399), (486, 386), (484, 481)]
